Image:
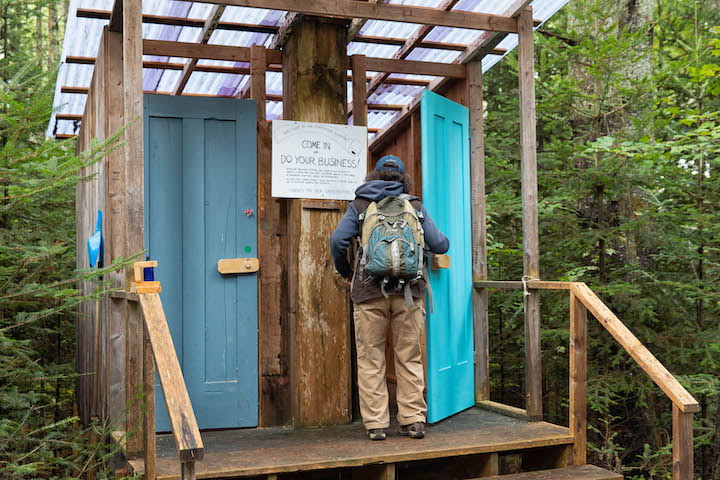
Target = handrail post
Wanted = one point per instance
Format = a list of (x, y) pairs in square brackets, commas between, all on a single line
[(149, 456), (682, 445), (578, 379), (187, 471)]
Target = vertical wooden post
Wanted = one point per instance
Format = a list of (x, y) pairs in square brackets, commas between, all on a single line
[(359, 88), (149, 420), (415, 141), (115, 224), (578, 379), (531, 256), (683, 462), (134, 199), (187, 471), (268, 247), (314, 90), (479, 235)]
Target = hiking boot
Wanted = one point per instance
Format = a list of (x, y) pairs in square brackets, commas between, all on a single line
[(414, 430), (377, 434)]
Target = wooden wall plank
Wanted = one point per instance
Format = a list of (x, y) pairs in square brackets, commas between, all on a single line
[(134, 202), (578, 379), (479, 232), (81, 329), (116, 225), (91, 197), (528, 168), (98, 203)]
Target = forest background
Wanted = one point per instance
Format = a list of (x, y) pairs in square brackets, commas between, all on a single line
[(628, 135)]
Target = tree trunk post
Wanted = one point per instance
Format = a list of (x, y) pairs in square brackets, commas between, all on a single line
[(314, 90)]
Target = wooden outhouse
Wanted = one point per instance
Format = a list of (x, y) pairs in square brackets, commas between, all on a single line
[(250, 339)]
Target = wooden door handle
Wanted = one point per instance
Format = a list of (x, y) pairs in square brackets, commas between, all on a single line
[(229, 266), (439, 261)]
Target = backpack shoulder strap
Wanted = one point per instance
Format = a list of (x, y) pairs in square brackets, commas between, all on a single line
[(361, 204), (414, 201)]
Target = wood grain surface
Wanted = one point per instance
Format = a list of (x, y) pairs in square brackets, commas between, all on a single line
[(277, 450)]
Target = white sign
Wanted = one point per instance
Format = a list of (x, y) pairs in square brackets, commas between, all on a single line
[(317, 160)]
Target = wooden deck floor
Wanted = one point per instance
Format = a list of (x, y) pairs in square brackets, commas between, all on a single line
[(252, 452)]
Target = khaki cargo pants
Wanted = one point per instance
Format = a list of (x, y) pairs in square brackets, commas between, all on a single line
[(371, 328)]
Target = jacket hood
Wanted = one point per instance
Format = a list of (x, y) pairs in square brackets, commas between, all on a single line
[(376, 190)]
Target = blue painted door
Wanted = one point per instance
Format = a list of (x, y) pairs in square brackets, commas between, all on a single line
[(446, 195), (200, 177)]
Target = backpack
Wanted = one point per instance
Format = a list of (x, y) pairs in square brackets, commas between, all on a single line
[(392, 243)]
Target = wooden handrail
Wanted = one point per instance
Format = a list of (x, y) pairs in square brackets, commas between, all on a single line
[(582, 300), (515, 285), (177, 400), (657, 371)]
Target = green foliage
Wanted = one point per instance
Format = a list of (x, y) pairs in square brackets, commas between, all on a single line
[(628, 139), (40, 437)]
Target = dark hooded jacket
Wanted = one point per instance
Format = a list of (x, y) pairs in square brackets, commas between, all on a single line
[(348, 228)]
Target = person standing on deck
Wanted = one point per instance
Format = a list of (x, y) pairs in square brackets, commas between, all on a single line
[(376, 299)]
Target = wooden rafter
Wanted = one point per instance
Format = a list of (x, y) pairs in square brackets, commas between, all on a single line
[(116, 17), (283, 33), (486, 41), (408, 46), (358, 23), (352, 9), (203, 38)]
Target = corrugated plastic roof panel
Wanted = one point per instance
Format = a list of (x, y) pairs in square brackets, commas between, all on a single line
[(82, 39)]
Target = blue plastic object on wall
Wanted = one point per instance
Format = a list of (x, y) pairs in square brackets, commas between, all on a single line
[(95, 244), (446, 195)]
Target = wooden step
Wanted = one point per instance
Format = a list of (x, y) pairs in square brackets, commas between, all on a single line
[(582, 472)]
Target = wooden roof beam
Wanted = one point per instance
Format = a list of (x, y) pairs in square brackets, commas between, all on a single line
[(272, 29), (358, 23), (238, 70), (407, 47), (204, 51), (352, 9), (485, 43), (203, 38), (116, 17), (182, 21)]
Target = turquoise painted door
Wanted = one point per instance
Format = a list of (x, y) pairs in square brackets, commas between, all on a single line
[(200, 177), (446, 195)]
